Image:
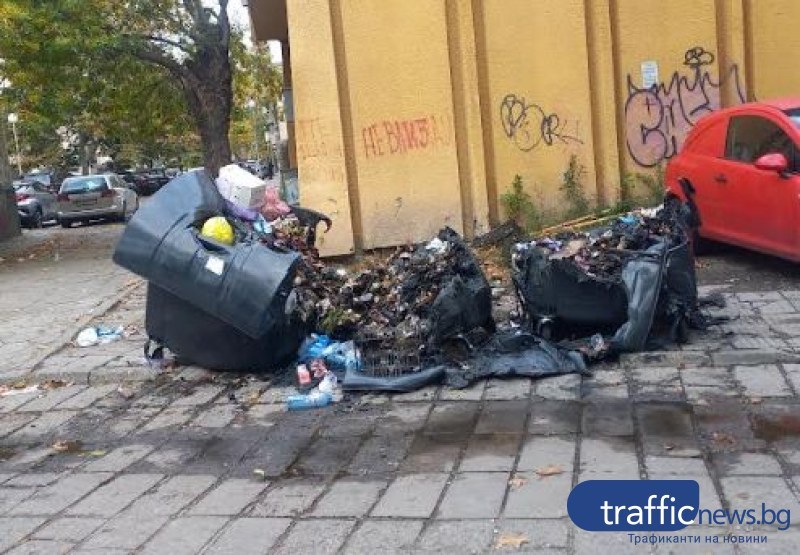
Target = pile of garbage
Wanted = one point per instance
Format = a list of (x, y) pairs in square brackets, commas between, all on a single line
[(236, 283)]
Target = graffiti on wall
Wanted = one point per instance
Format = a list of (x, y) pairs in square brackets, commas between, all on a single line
[(658, 118), (320, 152), (528, 125), (398, 137)]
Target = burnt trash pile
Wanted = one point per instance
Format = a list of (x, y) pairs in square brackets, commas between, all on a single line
[(236, 284), (630, 285)]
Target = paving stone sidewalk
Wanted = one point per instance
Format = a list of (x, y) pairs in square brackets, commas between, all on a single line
[(186, 461)]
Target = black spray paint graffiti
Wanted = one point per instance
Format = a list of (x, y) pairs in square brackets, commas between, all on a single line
[(529, 126), (659, 117)]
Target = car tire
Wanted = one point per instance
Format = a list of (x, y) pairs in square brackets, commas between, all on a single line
[(37, 219), (66, 224)]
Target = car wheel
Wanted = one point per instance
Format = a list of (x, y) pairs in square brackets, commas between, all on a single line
[(66, 224), (37, 220)]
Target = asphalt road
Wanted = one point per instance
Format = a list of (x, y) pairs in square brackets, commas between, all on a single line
[(744, 270)]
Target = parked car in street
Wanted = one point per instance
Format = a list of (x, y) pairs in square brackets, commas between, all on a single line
[(91, 197), (138, 183), (157, 178), (46, 178), (35, 203), (740, 168)]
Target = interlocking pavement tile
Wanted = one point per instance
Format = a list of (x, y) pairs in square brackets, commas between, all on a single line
[(380, 455), (747, 464), (610, 418), (550, 417), (394, 537), (349, 498), (43, 547), (229, 498), (12, 422), (499, 417), (762, 381), (114, 496), (70, 529), (10, 403), (46, 424), (14, 529), (411, 496), (320, 537), (200, 396), (474, 495), (532, 496), (404, 417), (674, 466), (457, 536), (508, 389), (747, 492), (185, 535), (327, 456), (609, 455), (169, 418), (11, 497), (216, 416), (87, 397), (52, 397), (61, 494), (171, 496), (249, 536), (561, 388), (541, 452), (433, 453), (120, 458), (452, 418), (490, 452), (541, 533), (289, 498)]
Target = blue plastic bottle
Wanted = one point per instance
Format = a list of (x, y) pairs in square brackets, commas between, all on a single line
[(313, 400)]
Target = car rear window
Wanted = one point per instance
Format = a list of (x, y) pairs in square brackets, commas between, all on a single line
[(84, 185)]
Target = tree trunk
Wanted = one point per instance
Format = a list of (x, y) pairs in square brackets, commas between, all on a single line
[(210, 96)]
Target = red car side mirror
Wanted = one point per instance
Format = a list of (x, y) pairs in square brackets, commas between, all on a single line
[(775, 162)]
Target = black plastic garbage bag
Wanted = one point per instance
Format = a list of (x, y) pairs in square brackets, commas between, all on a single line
[(516, 354)]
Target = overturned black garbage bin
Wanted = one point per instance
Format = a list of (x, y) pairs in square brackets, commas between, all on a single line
[(218, 306), (655, 291)]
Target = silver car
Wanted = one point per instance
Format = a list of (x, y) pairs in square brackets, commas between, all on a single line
[(91, 197), (35, 203)]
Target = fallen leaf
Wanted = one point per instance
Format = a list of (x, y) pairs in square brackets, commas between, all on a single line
[(67, 446), (96, 453), (517, 482), (550, 470), (511, 539)]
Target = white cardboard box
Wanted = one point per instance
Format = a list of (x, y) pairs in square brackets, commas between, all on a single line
[(241, 187)]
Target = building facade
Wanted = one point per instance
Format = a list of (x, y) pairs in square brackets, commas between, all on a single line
[(408, 115)]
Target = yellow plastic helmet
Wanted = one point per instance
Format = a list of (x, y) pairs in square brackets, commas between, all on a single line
[(218, 229)]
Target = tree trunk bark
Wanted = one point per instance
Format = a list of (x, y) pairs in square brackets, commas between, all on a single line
[(210, 96)]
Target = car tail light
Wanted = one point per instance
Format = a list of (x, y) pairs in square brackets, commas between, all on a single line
[(22, 196), (107, 193), (63, 197)]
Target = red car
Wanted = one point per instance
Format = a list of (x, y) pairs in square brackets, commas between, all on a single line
[(741, 168)]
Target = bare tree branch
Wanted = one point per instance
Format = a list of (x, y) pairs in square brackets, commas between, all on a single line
[(195, 10), (156, 56), (169, 42)]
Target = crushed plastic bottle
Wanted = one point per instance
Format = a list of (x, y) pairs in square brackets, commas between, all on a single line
[(98, 336), (342, 356), (315, 399)]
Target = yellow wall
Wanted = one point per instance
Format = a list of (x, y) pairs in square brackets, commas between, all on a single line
[(318, 126), (775, 47), (402, 112), (539, 110), (415, 114)]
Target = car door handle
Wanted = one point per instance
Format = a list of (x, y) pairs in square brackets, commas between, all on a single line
[(720, 178)]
